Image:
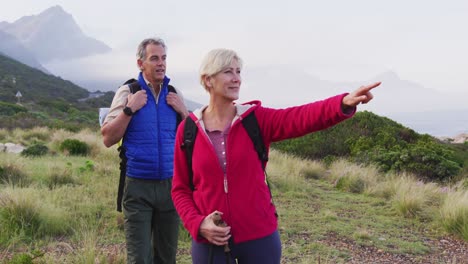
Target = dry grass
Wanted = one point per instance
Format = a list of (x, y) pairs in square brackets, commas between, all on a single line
[(289, 173), (75, 197), (454, 213)]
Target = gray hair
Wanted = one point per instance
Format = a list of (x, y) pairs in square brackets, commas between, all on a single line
[(216, 61), (141, 52)]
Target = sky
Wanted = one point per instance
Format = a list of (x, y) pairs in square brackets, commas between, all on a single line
[(422, 41)]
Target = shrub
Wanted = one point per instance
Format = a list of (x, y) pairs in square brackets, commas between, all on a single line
[(9, 109), (89, 166), (35, 150), (10, 174), (26, 258), (74, 147), (371, 139)]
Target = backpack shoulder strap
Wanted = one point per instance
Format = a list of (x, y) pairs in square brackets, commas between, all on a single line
[(250, 123), (133, 85), (190, 133), (173, 90)]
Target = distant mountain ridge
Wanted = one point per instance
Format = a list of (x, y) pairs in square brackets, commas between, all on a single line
[(13, 48), (53, 35)]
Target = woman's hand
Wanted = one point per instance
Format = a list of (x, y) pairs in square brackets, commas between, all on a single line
[(361, 95), (214, 234)]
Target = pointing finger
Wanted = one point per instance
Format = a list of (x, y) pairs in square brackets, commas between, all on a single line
[(370, 86)]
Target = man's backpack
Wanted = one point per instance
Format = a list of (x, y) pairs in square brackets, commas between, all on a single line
[(134, 87), (250, 124)]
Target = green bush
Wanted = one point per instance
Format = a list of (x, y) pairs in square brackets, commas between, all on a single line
[(371, 139), (27, 258), (9, 109), (35, 150), (74, 147)]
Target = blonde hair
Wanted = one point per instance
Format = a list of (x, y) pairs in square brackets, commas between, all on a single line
[(216, 61)]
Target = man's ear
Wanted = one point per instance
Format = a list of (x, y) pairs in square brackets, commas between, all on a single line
[(140, 64)]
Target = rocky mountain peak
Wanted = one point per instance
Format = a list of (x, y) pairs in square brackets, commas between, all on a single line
[(53, 35)]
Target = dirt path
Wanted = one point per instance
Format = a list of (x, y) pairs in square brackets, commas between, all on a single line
[(446, 250)]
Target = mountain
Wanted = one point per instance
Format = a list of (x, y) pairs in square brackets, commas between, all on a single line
[(286, 86), (34, 85), (53, 35), (45, 100), (10, 46)]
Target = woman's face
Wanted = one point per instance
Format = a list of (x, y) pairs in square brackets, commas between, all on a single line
[(226, 84)]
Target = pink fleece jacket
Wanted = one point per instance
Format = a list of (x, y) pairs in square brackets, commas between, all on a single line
[(247, 206)]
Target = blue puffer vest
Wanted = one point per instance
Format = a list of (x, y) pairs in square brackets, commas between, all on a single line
[(150, 136)]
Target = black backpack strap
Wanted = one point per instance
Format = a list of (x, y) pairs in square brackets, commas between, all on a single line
[(251, 126), (190, 133), (123, 172), (250, 123), (134, 87), (173, 90), (132, 80)]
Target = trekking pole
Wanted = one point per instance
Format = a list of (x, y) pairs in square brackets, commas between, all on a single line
[(227, 251)]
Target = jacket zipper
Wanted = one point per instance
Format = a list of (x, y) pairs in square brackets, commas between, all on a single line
[(156, 99), (225, 183)]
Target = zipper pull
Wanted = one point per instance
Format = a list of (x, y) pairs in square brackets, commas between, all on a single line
[(225, 184)]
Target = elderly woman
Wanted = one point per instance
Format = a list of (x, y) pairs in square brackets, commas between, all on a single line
[(226, 177)]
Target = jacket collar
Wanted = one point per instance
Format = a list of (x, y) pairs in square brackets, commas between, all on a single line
[(241, 109)]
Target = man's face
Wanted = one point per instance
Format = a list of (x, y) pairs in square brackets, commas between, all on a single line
[(153, 66)]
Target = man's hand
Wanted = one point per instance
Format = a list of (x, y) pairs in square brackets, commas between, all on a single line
[(218, 235), (361, 95), (177, 103), (137, 100)]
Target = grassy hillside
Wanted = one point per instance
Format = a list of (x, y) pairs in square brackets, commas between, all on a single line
[(371, 139), (46, 100), (60, 208)]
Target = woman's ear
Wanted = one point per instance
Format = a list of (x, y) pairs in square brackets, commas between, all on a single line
[(207, 81)]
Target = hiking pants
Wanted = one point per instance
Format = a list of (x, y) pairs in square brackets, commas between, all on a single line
[(151, 221), (263, 250)]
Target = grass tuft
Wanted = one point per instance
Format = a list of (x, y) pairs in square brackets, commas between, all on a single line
[(454, 213)]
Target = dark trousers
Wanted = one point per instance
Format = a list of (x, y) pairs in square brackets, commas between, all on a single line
[(151, 221), (262, 250)]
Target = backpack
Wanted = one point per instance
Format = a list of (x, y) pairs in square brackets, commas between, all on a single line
[(250, 124), (134, 87)]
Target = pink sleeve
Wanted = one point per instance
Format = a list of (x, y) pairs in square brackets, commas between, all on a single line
[(281, 124)]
